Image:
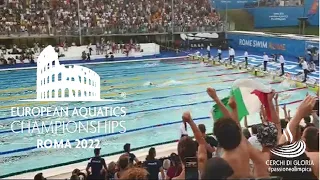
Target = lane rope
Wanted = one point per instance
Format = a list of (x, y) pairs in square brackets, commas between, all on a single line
[(132, 130)]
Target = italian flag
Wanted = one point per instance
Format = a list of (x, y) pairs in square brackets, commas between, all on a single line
[(249, 96)]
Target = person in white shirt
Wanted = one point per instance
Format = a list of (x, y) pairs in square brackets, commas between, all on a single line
[(265, 61), (231, 55), (219, 53), (183, 130), (246, 58), (166, 166), (281, 60), (305, 69), (208, 51), (253, 140)]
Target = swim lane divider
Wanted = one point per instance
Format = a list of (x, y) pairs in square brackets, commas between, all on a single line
[(115, 133), (135, 112)]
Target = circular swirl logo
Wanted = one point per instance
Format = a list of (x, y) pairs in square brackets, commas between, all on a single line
[(292, 150)]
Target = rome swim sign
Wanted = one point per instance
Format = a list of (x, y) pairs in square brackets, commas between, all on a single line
[(262, 44), (253, 43)]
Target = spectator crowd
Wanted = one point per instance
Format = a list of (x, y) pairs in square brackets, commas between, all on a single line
[(61, 17), (233, 152)]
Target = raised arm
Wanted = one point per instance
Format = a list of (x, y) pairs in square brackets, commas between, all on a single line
[(263, 115), (234, 112), (274, 115), (202, 149), (304, 109), (286, 117), (289, 115), (276, 103), (315, 118), (212, 93)]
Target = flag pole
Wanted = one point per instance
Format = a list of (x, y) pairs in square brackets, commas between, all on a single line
[(79, 22)]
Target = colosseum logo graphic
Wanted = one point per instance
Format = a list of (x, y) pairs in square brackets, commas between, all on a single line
[(57, 82), (292, 150)]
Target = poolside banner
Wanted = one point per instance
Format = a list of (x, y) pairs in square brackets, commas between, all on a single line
[(265, 17), (249, 95), (269, 44), (234, 4)]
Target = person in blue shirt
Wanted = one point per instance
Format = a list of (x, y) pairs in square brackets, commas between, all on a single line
[(153, 165)]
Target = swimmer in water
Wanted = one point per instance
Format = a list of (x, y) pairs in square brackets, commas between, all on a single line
[(150, 84)]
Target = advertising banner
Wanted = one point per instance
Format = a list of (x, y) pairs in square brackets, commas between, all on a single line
[(201, 40), (233, 4), (265, 17), (270, 45)]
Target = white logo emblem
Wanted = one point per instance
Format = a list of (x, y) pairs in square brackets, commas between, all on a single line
[(56, 82), (291, 150)]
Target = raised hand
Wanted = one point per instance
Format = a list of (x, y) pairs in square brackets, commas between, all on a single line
[(232, 103), (271, 95), (284, 107), (186, 117), (276, 96), (306, 106), (212, 93)]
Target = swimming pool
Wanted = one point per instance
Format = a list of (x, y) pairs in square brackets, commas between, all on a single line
[(177, 86)]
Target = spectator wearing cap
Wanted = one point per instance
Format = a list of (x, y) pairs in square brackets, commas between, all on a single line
[(217, 168), (165, 166), (132, 157), (97, 165), (211, 141)]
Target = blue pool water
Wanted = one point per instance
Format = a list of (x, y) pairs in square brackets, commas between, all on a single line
[(178, 86)]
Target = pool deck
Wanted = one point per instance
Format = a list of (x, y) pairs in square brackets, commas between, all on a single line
[(64, 172), (291, 64)]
